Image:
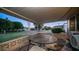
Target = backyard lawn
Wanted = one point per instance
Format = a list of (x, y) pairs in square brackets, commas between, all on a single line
[(10, 36)]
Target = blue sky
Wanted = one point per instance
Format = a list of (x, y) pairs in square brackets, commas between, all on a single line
[(11, 18), (25, 23)]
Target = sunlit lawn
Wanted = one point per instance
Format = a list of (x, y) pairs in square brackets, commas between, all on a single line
[(10, 36)]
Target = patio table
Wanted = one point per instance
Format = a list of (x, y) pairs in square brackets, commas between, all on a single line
[(43, 38)]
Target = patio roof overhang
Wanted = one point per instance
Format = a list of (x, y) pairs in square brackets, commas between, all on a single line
[(41, 14)]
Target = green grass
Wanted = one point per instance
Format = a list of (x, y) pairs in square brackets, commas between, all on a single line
[(10, 36)]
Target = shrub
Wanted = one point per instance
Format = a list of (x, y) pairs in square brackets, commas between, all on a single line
[(57, 30)]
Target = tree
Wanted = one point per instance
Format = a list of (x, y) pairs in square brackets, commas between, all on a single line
[(17, 25), (5, 25), (9, 26)]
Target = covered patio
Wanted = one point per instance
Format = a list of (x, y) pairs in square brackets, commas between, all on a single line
[(41, 40)]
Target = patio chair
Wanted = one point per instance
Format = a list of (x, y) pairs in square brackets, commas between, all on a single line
[(56, 46), (33, 43)]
